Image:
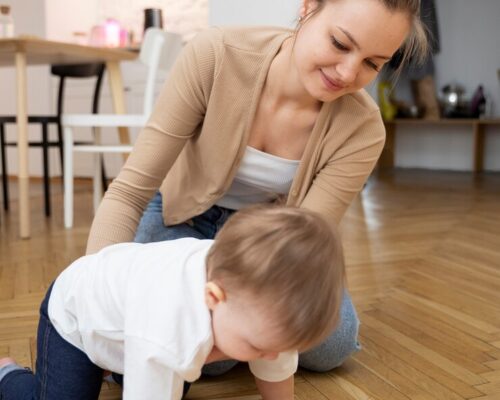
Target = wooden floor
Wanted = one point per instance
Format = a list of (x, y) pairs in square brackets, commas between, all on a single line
[(423, 257)]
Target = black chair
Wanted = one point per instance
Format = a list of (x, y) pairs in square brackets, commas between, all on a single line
[(63, 72)]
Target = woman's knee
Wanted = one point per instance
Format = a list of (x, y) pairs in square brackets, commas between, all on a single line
[(152, 229), (339, 346), (219, 367)]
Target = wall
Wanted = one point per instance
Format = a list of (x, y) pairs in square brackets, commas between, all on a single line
[(63, 17), (182, 16), (254, 12)]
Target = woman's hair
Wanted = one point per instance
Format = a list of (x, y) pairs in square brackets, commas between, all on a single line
[(290, 261), (416, 45)]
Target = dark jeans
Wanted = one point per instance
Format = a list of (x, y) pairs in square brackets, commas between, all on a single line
[(63, 372)]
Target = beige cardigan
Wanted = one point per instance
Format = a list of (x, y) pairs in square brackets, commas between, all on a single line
[(196, 137)]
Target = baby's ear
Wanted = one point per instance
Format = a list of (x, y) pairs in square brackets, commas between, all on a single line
[(214, 294)]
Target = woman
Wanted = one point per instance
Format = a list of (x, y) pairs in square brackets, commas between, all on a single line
[(256, 114)]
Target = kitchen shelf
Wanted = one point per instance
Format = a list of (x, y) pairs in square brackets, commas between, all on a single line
[(478, 129)]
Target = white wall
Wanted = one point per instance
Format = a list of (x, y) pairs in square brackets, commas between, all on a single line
[(63, 17), (182, 16), (254, 12), (470, 54), (67, 16)]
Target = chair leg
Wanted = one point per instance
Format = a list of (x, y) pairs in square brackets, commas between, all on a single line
[(103, 175), (68, 177), (97, 181), (46, 172), (61, 146), (97, 139), (3, 155)]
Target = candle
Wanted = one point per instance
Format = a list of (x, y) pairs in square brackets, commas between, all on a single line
[(112, 29)]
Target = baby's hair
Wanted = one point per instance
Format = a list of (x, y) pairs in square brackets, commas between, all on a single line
[(291, 261)]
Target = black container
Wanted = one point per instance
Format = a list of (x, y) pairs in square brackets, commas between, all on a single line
[(153, 18)]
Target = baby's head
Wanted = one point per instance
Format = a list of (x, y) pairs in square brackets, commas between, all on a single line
[(275, 282)]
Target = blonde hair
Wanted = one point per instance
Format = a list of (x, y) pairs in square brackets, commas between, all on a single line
[(416, 46), (291, 260)]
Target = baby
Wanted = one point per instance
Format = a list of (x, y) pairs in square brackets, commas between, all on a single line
[(270, 285)]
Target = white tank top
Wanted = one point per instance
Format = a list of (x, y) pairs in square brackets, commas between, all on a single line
[(260, 179)]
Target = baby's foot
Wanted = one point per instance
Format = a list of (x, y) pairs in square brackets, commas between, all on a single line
[(6, 361)]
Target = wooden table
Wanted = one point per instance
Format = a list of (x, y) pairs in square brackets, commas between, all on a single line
[(34, 51), (478, 126)]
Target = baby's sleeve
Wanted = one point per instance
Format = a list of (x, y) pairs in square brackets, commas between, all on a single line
[(146, 375), (276, 370)]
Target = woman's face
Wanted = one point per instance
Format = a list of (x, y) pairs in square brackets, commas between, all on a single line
[(342, 48)]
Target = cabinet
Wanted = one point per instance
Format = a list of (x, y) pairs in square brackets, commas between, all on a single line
[(477, 130)]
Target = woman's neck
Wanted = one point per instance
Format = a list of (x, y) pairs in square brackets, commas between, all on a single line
[(283, 86)]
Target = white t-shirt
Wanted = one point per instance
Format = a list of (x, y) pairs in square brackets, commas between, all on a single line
[(261, 178), (139, 310)]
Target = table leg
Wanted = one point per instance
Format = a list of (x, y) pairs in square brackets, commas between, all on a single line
[(387, 157), (117, 94), (478, 143), (22, 146)]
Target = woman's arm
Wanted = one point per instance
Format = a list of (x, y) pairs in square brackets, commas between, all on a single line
[(343, 175), (179, 110)]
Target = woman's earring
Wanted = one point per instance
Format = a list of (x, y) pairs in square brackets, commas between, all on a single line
[(301, 18)]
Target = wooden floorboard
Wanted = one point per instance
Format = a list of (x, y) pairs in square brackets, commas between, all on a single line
[(423, 263)]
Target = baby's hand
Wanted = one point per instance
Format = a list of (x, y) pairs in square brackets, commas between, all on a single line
[(216, 355), (105, 373), (276, 390)]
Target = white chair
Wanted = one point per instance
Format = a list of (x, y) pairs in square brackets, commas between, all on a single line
[(158, 51)]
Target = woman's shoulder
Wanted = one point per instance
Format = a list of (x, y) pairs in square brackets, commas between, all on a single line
[(245, 38), (207, 38), (355, 110), (360, 100)]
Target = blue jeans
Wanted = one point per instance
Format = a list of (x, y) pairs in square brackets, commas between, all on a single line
[(63, 372), (328, 355)]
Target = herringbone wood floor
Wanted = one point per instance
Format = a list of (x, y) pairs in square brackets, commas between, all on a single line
[(423, 257)]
